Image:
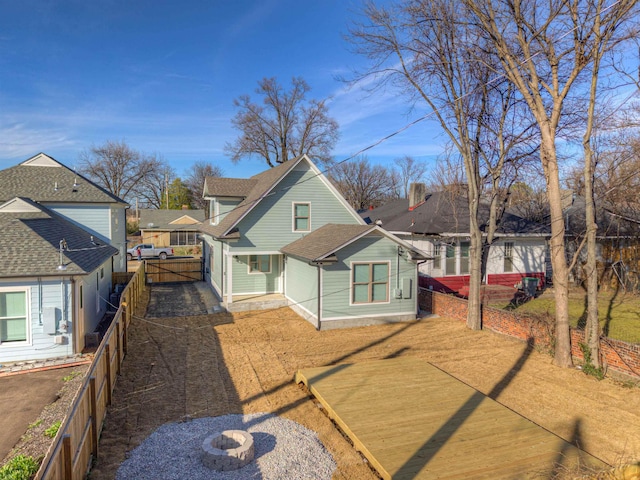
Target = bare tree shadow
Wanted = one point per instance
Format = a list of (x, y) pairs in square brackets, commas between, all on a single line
[(608, 317), (433, 445)]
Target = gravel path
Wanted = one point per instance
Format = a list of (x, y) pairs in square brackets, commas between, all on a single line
[(283, 449)]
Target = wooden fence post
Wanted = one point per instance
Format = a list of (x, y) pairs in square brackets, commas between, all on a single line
[(94, 416), (107, 354), (125, 330), (118, 346), (67, 460)]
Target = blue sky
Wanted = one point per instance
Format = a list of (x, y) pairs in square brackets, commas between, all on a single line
[(162, 76)]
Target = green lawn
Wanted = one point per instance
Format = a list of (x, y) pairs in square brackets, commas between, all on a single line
[(619, 312)]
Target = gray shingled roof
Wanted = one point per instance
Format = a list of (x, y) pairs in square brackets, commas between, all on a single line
[(228, 187), (262, 184), (39, 184), (610, 224), (444, 213), (30, 244), (325, 241), (162, 219)]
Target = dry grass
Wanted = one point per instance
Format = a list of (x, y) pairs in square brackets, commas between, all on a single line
[(212, 365)]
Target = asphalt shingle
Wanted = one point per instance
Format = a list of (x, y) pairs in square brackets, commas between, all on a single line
[(30, 244)]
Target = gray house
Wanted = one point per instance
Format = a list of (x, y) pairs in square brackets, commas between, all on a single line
[(287, 237), (55, 279), (54, 185)]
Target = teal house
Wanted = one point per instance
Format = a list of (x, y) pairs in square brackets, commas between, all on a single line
[(287, 237)]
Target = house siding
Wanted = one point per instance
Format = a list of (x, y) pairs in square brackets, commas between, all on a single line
[(336, 296), (96, 219), (528, 261), (245, 283), (118, 238), (42, 294), (301, 286), (275, 214)]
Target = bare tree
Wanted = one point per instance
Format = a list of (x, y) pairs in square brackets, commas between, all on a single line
[(196, 176), (543, 48), (431, 51), (118, 168), (153, 189), (285, 126), (409, 170), (362, 184)]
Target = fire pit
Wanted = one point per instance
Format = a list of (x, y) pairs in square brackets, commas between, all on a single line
[(228, 450)]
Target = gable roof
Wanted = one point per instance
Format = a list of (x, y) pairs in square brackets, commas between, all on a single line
[(323, 243), (447, 214), (170, 219), (44, 179), (263, 184), (30, 236)]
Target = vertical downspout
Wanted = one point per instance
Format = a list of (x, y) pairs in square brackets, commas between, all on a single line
[(319, 296), (74, 305)]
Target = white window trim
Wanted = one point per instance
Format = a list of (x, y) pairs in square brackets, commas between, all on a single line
[(293, 216), (512, 248), (369, 262), (29, 339), (258, 272)]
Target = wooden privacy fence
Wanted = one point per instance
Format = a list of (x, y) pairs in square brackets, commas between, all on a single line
[(177, 270), (76, 443)]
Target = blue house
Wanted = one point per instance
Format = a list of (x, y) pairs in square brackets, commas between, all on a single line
[(287, 237), (55, 279), (61, 237)]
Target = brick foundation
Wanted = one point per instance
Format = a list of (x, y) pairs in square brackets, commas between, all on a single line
[(619, 356)]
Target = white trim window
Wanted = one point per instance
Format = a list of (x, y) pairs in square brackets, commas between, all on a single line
[(259, 263), (508, 257), (437, 256), (14, 316), (302, 217), (370, 282)]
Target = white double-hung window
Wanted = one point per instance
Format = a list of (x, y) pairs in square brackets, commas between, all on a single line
[(14, 315)]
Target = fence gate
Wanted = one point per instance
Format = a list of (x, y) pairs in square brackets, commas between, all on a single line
[(178, 270)]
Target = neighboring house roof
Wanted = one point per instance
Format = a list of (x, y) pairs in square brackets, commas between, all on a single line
[(610, 224), (323, 243), (263, 184), (171, 219), (30, 236), (443, 213), (44, 179), (228, 187)]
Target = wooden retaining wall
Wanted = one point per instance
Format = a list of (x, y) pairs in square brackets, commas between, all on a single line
[(76, 444), (623, 357)]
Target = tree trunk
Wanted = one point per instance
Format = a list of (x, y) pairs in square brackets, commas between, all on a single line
[(562, 356), (474, 312)]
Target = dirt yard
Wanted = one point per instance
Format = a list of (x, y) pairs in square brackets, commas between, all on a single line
[(209, 365)]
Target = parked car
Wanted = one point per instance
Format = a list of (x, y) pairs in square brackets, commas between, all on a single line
[(149, 250)]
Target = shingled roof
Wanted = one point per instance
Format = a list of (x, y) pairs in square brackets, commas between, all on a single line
[(44, 179), (228, 187), (445, 213), (323, 243), (263, 183), (170, 219), (30, 236)]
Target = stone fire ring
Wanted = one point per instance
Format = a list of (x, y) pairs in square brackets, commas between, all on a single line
[(227, 450)]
